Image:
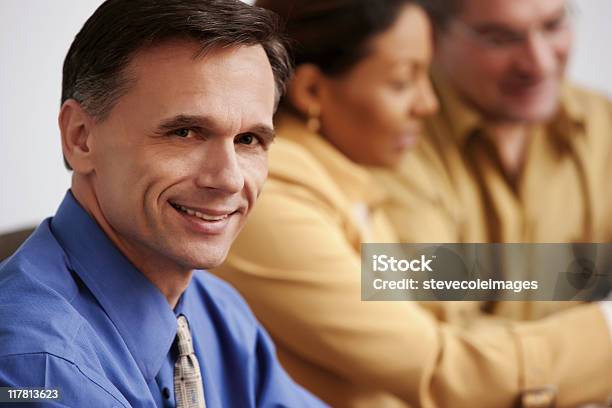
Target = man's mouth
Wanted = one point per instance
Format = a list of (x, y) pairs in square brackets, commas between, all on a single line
[(522, 87), (206, 215)]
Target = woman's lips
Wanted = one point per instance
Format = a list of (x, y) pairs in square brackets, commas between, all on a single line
[(407, 140)]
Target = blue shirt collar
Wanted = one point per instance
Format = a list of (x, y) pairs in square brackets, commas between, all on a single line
[(136, 307)]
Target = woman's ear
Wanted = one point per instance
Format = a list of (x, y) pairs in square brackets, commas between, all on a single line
[(304, 89), (75, 126)]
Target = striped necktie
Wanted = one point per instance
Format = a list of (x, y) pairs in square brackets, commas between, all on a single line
[(188, 389)]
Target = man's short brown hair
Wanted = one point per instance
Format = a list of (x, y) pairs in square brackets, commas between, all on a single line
[(94, 68)]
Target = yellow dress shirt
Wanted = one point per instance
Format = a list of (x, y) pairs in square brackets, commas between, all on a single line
[(452, 188), (297, 263)]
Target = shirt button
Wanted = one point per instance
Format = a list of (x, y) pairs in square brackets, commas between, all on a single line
[(166, 393)]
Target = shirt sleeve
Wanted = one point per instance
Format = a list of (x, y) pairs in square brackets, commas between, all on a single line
[(48, 371), (274, 386), (606, 308), (301, 277)]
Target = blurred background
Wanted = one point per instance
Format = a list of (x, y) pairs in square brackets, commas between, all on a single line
[(34, 38)]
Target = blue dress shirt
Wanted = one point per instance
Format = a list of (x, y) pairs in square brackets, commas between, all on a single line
[(76, 315)]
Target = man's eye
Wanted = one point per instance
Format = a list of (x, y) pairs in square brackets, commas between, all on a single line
[(503, 39), (247, 139), (555, 25), (183, 132)]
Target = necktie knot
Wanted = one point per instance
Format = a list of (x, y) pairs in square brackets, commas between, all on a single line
[(183, 335)]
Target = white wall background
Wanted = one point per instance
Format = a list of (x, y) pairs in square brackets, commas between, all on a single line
[(34, 38)]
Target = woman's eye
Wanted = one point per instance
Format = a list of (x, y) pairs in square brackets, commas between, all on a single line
[(184, 132), (246, 139), (401, 85)]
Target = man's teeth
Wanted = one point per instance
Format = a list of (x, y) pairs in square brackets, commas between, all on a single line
[(198, 214)]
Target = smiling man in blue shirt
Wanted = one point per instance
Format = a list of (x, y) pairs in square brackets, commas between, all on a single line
[(166, 119)]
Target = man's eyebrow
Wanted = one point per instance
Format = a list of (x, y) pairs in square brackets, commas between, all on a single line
[(185, 121), (559, 15)]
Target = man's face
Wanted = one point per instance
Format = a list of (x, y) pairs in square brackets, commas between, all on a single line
[(507, 57), (182, 157)]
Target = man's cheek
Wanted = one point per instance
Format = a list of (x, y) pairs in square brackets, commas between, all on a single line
[(256, 187), (255, 171), (263, 176)]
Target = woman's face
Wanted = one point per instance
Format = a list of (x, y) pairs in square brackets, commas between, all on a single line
[(372, 113)]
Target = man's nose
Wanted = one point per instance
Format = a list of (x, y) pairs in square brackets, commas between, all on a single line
[(539, 56), (219, 167)]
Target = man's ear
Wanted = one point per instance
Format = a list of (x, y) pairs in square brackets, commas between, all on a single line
[(75, 126), (304, 90)]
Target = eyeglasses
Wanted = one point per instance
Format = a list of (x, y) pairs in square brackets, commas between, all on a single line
[(499, 38)]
